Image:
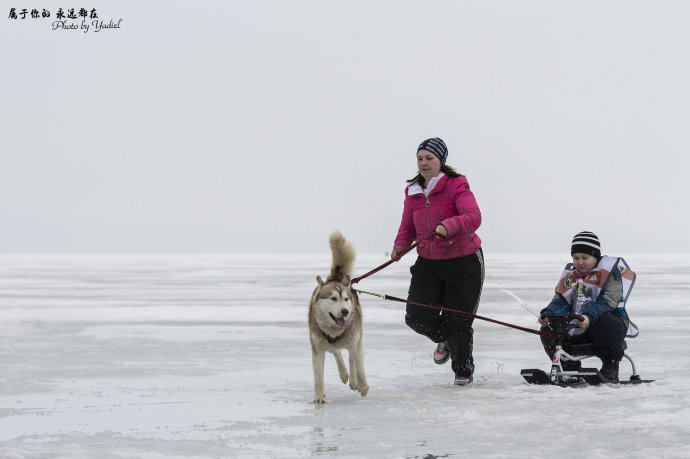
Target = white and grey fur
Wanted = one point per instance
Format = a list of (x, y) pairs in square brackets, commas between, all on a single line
[(335, 321)]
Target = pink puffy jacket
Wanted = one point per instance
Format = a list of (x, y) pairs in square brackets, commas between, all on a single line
[(450, 203)]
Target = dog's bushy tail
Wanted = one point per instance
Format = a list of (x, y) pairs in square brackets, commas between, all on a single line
[(343, 257)]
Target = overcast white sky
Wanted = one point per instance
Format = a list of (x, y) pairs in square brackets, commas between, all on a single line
[(237, 126)]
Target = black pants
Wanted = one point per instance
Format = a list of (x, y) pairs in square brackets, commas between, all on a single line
[(607, 335), (456, 284)]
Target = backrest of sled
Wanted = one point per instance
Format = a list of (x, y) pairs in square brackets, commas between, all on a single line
[(628, 278)]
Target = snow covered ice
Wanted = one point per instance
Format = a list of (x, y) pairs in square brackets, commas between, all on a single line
[(208, 357)]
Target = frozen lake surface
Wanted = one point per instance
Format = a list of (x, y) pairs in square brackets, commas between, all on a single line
[(209, 357)]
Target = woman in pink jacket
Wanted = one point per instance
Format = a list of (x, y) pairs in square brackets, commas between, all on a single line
[(449, 270)]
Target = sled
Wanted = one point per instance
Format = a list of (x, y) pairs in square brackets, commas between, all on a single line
[(583, 376)]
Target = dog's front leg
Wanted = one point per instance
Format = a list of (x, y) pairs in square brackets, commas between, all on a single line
[(318, 358), (342, 369)]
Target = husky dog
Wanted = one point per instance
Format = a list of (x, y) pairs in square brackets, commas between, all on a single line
[(335, 321)]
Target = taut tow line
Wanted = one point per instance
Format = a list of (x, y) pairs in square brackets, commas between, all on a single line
[(475, 316)]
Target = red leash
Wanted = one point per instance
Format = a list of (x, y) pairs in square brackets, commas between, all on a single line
[(400, 255), (517, 327)]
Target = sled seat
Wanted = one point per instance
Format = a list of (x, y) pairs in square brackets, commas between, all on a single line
[(589, 349)]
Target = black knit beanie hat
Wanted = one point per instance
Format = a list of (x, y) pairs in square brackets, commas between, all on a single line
[(435, 146), (586, 242)]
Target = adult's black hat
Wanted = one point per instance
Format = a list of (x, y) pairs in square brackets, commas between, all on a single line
[(435, 146)]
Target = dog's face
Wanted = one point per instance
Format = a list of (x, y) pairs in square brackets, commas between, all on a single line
[(333, 303)]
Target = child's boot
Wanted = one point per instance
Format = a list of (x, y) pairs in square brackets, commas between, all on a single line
[(609, 370)]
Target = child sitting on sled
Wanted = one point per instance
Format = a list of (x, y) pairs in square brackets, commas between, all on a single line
[(594, 287)]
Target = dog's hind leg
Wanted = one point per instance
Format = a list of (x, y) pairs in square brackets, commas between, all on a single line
[(342, 369), (357, 370), (353, 370), (318, 359)]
